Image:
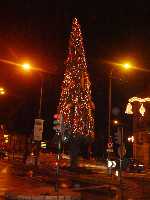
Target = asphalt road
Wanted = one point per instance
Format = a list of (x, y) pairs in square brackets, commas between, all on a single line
[(132, 187)]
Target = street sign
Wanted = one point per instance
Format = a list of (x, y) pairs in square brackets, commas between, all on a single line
[(111, 163), (38, 129)]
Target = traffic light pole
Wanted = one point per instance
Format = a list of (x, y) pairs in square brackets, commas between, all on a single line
[(60, 133), (58, 162)]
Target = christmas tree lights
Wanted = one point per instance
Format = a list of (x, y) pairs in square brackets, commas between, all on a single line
[(75, 102)]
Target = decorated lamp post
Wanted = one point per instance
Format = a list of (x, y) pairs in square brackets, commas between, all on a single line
[(137, 99)]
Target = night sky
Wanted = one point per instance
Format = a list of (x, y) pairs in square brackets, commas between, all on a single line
[(38, 32)]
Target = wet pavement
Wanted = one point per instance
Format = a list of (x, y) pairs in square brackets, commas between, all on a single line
[(132, 187), (23, 185)]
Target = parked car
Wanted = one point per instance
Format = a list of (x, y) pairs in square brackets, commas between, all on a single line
[(130, 165), (134, 165)]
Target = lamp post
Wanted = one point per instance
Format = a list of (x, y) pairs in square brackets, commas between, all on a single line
[(126, 66), (38, 126), (109, 103), (27, 67), (110, 147)]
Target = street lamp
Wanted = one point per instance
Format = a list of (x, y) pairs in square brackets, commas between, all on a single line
[(27, 67), (126, 66), (38, 126)]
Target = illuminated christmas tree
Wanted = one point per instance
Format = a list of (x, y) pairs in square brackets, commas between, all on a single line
[(75, 104)]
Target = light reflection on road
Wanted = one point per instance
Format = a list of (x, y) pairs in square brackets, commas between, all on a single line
[(133, 189), (4, 177), (4, 170)]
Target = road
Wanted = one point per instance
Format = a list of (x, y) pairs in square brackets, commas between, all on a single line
[(133, 186), (12, 183)]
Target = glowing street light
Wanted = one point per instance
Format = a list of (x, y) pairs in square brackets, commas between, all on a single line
[(126, 65), (26, 66)]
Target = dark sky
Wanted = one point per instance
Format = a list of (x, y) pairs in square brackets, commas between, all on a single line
[(38, 31)]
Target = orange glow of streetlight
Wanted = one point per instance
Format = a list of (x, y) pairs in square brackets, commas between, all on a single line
[(126, 65), (26, 66)]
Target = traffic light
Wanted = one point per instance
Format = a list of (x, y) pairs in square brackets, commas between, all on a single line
[(117, 136), (57, 123)]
